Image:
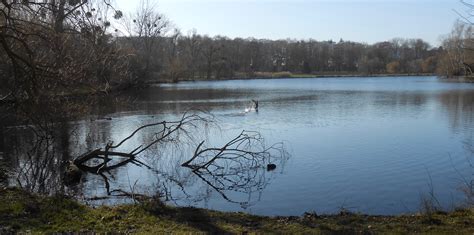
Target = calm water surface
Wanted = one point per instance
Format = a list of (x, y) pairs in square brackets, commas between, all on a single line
[(372, 145)]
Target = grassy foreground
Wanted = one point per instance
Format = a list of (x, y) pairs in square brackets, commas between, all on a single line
[(27, 213)]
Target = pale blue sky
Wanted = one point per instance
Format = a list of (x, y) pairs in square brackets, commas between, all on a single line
[(356, 20)]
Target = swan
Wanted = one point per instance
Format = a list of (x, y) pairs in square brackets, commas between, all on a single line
[(254, 107)]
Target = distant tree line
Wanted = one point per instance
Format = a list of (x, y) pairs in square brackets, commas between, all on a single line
[(52, 46), (165, 53), (196, 56)]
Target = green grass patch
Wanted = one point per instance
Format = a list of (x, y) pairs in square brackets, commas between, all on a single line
[(22, 212)]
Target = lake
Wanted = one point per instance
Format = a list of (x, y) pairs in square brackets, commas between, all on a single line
[(376, 145)]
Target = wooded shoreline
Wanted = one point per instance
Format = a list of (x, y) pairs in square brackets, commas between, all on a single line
[(288, 75)]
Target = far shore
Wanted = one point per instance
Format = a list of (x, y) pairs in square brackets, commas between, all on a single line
[(83, 91), (287, 75)]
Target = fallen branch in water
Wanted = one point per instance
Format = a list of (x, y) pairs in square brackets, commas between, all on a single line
[(239, 166), (248, 146), (111, 158)]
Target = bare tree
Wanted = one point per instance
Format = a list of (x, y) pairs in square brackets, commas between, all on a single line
[(210, 50), (175, 66), (145, 28), (193, 52), (51, 47), (458, 57)]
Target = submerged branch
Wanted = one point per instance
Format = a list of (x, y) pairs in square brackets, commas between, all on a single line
[(111, 157), (247, 145), (240, 165)]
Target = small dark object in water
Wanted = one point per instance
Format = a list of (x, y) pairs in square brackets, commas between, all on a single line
[(105, 118), (271, 167)]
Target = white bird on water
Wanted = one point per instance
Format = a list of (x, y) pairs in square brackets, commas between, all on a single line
[(254, 107)]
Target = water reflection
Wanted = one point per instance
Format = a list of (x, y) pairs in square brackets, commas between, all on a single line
[(153, 168), (459, 107), (364, 143), (36, 161)]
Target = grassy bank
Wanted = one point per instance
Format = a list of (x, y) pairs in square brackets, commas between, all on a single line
[(24, 212)]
